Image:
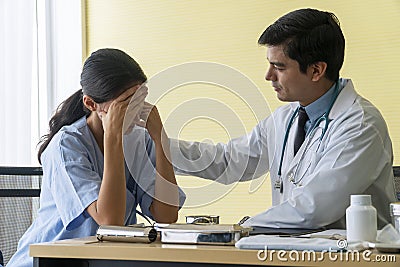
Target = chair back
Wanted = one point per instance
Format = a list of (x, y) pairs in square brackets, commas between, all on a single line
[(19, 202)]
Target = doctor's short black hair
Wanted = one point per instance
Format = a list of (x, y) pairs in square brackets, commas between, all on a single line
[(309, 36)]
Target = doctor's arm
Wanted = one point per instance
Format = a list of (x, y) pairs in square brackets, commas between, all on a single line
[(241, 159), (351, 162)]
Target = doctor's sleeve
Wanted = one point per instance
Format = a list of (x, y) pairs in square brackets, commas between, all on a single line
[(241, 159)]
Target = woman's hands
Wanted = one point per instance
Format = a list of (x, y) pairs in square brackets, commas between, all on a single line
[(122, 115), (123, 111), (152, 121)]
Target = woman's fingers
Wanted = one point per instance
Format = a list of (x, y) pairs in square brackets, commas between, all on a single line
[(135, 106), (127, 94), (128, 107), (146, 110), (134, 109), (133, 95)]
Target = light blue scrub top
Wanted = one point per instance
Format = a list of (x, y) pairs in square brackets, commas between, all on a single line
[(72, 173)]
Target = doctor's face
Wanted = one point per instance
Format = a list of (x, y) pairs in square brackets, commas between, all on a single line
[(288, 81)]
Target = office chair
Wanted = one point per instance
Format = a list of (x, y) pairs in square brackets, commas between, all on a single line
[(396, 173), (19, 202)]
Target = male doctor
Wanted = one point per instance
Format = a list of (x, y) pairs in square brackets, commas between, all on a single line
[(326, 145)]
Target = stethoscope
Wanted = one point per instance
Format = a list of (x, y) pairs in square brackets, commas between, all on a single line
[(325, 117)]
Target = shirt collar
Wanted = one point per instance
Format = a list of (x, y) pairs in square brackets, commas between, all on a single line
[(337, 108), (316, 109)]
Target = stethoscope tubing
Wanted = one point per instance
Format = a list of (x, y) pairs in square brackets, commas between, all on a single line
[(324, 117)]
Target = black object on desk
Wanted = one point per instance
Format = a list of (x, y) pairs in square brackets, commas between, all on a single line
[(258, 230)]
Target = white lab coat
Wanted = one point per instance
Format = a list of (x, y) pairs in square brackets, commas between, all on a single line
[(354, 157)]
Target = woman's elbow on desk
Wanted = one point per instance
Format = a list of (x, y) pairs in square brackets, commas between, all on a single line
[(104, 219), (164, 213)]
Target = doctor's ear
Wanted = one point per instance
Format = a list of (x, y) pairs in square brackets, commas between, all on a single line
[(89, 103), (317, 70)]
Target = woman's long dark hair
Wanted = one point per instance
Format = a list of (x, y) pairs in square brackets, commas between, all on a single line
[(105, 75)]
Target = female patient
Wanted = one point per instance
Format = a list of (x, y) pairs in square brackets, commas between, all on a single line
[(87, 181)]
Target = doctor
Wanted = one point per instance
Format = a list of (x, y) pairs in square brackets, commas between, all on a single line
[(346, 148)]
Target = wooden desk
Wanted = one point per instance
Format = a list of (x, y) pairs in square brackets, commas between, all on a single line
[(89, 252)]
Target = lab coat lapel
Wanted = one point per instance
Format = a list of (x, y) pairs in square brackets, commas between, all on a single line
[(345, 99), (291, 161), (289, 158), (303, 155)]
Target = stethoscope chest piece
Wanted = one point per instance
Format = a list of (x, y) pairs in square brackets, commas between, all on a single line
[(279, 185)]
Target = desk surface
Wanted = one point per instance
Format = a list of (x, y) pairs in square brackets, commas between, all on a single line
[(90, 248)]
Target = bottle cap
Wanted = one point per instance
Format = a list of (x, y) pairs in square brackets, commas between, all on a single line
[(360, 200)]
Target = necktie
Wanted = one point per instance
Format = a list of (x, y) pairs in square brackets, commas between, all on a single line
[(301, 133)]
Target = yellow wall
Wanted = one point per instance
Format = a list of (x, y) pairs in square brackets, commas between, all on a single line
[(160, 34)]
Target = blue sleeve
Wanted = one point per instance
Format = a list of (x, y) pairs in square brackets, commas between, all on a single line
[(74, 182)]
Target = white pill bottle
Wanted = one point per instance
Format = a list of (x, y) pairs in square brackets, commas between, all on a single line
[(361, 222)]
